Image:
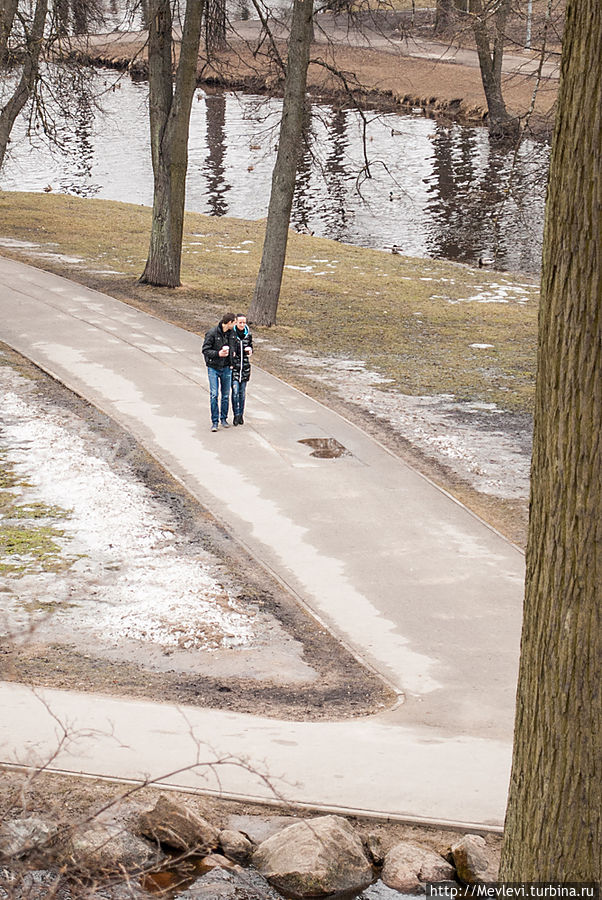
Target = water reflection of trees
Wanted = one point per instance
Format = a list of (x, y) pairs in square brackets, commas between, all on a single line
[(214, 168), (479, 195), (324, 158)]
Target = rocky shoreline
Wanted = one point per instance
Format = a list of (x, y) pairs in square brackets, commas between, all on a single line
[(172, 850)]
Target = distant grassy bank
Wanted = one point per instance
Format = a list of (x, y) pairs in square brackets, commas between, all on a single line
[(412, 320)]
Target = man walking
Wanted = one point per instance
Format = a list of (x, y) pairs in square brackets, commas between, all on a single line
[(241, 350), (216, 350)]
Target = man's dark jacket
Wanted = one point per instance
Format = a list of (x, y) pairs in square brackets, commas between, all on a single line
[(241, 364), (215, 339)]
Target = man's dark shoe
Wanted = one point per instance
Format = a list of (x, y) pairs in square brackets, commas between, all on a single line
[(241, 421), (235, 420), (225, 424), (214, 428)]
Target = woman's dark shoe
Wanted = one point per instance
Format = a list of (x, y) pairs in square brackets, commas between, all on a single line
[(235, 420)]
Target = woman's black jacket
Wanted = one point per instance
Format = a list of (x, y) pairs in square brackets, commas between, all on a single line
[(241, 364), (215, 339)]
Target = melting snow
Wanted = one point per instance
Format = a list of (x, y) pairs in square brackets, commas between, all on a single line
[(465, 436), (132, 577)]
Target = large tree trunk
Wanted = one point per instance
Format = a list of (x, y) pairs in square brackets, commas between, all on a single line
[(443, 16), (553, 821), (264, 304), (489, 32), (29, 74), (170, 105), (8, 9)]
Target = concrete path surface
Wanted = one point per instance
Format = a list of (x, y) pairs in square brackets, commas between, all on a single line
[(417, 587)]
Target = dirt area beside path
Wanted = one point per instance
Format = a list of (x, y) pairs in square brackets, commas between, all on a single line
[(115, 580)]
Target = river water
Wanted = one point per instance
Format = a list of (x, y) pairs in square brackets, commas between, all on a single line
[(429, 189)]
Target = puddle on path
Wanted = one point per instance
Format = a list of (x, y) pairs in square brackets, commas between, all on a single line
[(326, 448)]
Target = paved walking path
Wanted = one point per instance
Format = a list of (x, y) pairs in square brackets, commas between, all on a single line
[(413, 583)]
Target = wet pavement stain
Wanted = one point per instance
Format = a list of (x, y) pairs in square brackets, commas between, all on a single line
[(326, 448)]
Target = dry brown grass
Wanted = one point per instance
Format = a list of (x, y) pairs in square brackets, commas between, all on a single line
[(406, 317)]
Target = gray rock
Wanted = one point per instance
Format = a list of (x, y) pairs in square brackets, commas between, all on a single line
[(178, 827), (260, 828), (408, 867), (19, 837), (35, 885), (375, 848), (315, 857), (108, 848), (235, 845), (472, 861), (221, 884)]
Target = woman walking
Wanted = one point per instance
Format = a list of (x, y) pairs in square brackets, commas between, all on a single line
[(241, 350)]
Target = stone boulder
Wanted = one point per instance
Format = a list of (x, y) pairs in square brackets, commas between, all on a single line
[(472, 860), (104, 848), (314, 857), (235, 845), (221, 884), (19, 837), (177, 827), (408, 867)]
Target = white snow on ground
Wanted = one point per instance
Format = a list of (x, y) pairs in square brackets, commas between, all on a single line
[(506, 292), (454, 433), (127, 564)]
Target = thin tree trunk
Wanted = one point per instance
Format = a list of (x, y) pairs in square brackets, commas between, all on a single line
[(8, 9), (490, 51), (553, 822), (24, 88), (215, 26), (264, 304), (170, 105)]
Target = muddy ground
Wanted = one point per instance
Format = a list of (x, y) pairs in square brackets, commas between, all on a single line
[(282, 664)]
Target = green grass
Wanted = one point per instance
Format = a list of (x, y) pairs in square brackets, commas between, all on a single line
[(406, 318), (29, 539)]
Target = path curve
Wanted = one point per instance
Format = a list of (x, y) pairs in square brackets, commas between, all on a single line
[(418, 587)]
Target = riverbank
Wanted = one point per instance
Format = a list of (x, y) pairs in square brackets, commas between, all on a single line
[(382, 70), (434, 359)]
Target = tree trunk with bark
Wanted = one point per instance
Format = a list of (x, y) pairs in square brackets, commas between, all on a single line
[(215, 26), (8, 10), (443, 15), (33, 47), (170, 103), (553, 822), (264, 304), (489, 30)]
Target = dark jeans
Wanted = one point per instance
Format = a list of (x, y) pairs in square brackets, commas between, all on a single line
[(219, 381), (239, 390)]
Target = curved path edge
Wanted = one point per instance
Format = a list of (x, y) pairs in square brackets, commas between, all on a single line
[(424, 592)]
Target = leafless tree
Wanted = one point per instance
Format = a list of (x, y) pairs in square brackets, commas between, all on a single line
[(170, 101)]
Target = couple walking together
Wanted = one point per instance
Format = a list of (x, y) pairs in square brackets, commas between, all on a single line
[(227, 349)]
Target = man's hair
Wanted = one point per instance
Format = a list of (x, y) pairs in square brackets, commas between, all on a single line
[(241, 315), (228, 317)]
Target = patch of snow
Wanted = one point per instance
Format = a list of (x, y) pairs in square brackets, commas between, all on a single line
[(466, 437), (132, 577), (481, 346), (507, 292), (301, 268)]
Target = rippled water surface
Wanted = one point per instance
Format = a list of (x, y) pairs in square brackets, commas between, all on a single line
[(428, 189)]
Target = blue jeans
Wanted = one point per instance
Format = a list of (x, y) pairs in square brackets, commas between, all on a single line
[(219, 380), (239, 390)]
